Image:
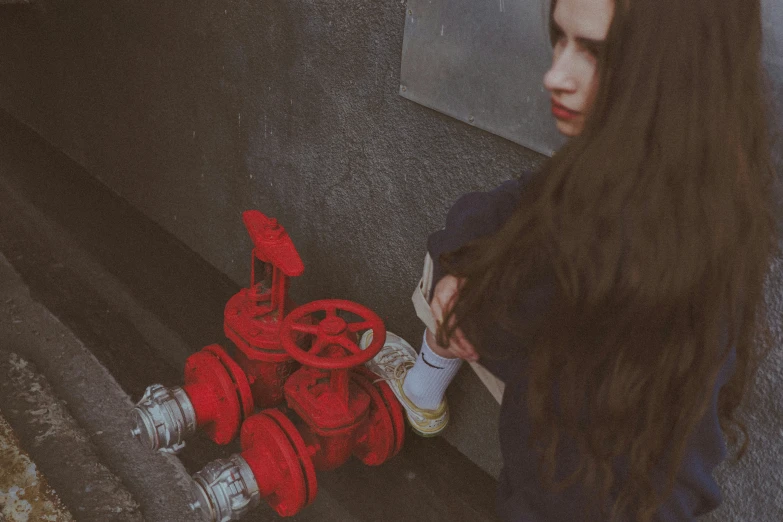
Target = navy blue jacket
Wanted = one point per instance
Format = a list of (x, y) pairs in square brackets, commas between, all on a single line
[(521, 497)]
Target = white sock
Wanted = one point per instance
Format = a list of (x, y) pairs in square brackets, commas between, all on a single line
[(426, 383)]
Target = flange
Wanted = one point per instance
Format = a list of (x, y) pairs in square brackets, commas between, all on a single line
[(212, 377), (280, 461)]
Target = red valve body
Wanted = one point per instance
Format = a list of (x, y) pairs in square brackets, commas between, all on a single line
[(253, 316), (284, 456), (341, 410), (259, 353), (332, 411), (371, 427)]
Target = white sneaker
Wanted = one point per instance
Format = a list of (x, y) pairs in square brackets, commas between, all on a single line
[(392, 364)]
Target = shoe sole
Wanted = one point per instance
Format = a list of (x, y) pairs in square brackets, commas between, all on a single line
[(414, 424)]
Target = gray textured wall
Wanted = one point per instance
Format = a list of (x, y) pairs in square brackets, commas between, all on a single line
[(194, 112)]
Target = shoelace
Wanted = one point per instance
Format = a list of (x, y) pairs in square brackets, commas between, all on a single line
[(398, 370)]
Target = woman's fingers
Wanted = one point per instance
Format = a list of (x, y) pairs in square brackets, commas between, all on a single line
[(444, 295), (461, 347), (458, 346)]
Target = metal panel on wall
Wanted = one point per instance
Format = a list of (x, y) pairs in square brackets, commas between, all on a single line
[(482, 62)]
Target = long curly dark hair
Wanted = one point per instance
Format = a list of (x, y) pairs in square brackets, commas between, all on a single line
[(658, 224)]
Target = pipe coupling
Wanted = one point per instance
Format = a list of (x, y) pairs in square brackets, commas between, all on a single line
[(225, 490), (163, 419)]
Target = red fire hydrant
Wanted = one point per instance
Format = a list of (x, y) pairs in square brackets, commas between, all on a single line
[(338, 411), (215, 397), (253, 316)]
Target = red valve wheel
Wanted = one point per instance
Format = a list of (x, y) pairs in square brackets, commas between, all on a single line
[(331, 332)]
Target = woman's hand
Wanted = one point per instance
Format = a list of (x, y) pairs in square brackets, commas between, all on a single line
[(443, 298)]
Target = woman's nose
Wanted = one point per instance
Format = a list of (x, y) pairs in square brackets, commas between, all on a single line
[(559, 76)]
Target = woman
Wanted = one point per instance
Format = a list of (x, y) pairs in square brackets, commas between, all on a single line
[(618, 291)]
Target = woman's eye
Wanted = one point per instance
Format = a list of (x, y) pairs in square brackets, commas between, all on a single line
[(557, 37), (592, 50)]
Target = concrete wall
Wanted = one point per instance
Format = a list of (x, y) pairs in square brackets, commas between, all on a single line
[(196, 111)]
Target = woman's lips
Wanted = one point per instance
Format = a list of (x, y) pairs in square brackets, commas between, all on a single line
[(561, 113)]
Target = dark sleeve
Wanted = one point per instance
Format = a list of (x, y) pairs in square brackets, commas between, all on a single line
[(474, 215)]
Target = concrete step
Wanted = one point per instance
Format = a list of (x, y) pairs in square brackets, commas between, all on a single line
[(71, 416), (63, 450)]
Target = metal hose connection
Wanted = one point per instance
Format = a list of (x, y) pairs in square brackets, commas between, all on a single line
[(225, 490), (163, 419)]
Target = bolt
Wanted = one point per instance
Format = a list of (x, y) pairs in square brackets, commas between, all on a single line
[(194, 505), (136, 432), (410, 11), (470, 119), (273, 229), (404, 88)]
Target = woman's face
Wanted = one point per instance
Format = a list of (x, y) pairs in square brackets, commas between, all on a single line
[(579, 28)]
